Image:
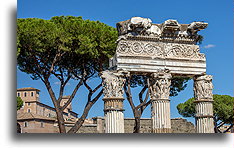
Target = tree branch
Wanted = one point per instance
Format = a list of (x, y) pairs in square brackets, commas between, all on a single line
[(62, 86), (228, 128), (73, 94), (80, 121), (128, 94), (141, 93)]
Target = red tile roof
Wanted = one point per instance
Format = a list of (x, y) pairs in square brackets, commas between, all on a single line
[(28, 116), (27, 88)]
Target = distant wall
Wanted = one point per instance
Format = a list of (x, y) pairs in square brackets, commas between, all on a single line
[(179, 125)]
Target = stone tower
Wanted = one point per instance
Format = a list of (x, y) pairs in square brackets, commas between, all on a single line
[(29, 96)]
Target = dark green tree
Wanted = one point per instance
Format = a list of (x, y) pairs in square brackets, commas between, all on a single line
[(19, 103), (65, 48), (223, 111)]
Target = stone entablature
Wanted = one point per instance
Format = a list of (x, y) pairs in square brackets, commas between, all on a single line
[(146, 47)]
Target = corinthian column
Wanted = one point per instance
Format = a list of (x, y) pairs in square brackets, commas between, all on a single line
[(204, 104), (160, 103), (113, 101)]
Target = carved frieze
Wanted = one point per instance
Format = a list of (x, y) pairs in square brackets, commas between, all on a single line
[(203, 87), (113, 83), (160, 85), (160, 50), (173, 50), (130, 48)]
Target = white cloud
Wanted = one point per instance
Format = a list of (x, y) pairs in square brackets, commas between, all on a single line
[(209, 46)]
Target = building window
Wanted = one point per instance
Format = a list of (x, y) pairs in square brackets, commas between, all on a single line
[(29, 110), (42, 124), (18, 94), (25, 94), (25, 124), (29, 103), (32, 94)]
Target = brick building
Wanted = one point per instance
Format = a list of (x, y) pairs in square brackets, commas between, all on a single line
[(36, 117)]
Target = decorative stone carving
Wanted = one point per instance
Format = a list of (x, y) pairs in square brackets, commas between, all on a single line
[(194, 27), (170, 30), (183, 51), (135, 26), (140, 48), (160, 85), (203, 87), (139, 24), (154, 30), (160, 50), (170, 26), (113, 83), (204, 104)]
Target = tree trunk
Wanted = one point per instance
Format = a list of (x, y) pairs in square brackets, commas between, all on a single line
[(215, 125), (61, 123), (137, 125), (59, 112)]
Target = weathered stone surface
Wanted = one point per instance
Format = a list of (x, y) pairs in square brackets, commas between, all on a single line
[(144, 27), (204, 104), (112, 83), (145, 47), (203, 87), (160, 85), (194, 27), (179, 125), (160, 104)]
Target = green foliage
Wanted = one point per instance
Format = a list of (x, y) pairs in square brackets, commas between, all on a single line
[(84, 45), (223, 108), (19, 103), (187, 109), (178, 84)]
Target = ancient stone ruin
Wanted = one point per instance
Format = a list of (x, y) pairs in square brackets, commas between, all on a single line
[(160, 52)]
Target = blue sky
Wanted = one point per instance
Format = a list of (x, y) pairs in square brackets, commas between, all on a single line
[(217, 44)]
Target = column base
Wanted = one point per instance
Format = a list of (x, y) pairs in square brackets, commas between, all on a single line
[(161, 130)]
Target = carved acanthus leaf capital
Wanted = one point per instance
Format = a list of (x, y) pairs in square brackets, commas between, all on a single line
[(203, 87), (113, 83), (160, 85)]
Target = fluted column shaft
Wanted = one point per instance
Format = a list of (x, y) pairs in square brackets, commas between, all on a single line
[(204, 104), (160, 103), (113, 101)]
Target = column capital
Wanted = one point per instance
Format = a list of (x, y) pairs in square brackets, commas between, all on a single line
[(113, 82), (203, 87), (160, 85)]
